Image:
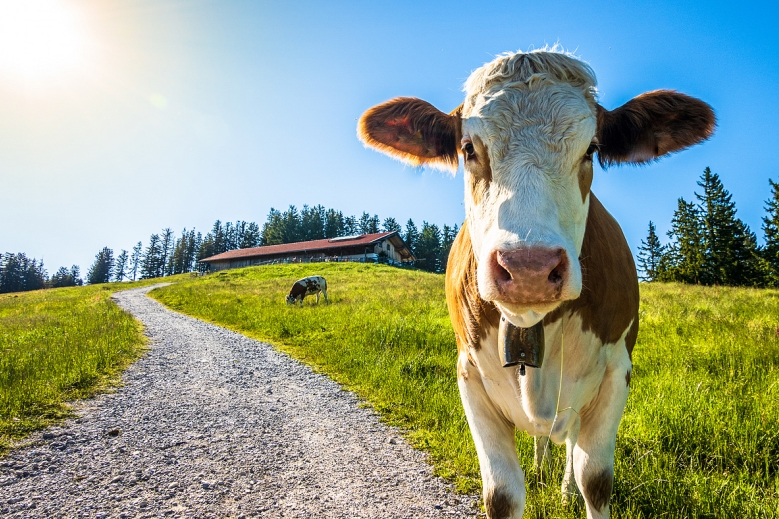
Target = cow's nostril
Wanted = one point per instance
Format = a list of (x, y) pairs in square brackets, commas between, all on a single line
[(501, 274), (557, 275)]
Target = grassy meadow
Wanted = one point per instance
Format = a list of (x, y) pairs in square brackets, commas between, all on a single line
[(700, 435), (58, 345)]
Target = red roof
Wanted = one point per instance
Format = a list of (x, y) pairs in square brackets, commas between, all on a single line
[(302, 246)]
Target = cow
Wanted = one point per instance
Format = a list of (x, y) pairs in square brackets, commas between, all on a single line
[(540, 277), (307, 287)]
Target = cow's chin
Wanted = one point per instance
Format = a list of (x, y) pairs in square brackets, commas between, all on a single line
[(525, 315)]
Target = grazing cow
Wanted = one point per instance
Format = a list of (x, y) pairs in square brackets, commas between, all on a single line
[(306, 287), (540, 275)]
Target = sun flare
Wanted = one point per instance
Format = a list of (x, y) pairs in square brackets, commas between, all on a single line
[(40, 39)]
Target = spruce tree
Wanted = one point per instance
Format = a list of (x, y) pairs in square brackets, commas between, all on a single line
[(448, 235), (334, 223), (167, 242), (120, 266), (731, 255), (100, 271), (411, 236), (685, 254), (151, 265), (249, 237), (390, 225), (428, 248), (351, 226), (650, 254), (135, 259), (771, 234), (312, 223)]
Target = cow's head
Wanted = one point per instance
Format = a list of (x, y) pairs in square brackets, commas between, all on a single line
[(291, 300), (528, 131)]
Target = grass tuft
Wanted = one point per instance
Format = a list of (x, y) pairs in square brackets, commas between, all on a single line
[(58, 345)]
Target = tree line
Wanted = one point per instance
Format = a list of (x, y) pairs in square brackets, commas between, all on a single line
[(166, 254), (709, 245)]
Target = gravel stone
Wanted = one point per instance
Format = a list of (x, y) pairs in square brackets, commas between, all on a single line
[(213, 424)]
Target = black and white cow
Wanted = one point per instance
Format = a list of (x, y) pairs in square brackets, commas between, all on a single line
[(307, 287)]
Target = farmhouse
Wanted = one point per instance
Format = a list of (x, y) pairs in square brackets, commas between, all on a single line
[(386, 247)]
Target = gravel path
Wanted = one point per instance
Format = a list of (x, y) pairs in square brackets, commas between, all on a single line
[(212, 424)]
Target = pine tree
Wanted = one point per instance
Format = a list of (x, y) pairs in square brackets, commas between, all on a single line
[(771, 234), (75, 274), (167, 242), (369, 224), (65, 277), (135, 259), (120, 266), (448, 235), (312, 223), (684, 256), (411, 236), (249, 236), (151, 265), (351, 226), (731, 255), (334, 223), (391, 225), (100, 271), (179, 263), (428, 248), (650, 254)]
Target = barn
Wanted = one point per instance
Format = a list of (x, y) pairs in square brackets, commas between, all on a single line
[(382, 247)]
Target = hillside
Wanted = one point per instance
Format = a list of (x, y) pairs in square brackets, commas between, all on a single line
[(700, 435)]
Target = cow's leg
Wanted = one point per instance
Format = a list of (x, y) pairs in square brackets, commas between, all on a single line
[(324, 293), (503, 480), (593, 455), (569, 489), (317, 298)]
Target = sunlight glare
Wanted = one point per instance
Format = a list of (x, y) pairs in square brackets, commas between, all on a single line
[(40, 38)]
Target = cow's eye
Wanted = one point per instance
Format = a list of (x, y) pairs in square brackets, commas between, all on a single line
[(468, 150), (591, 150)]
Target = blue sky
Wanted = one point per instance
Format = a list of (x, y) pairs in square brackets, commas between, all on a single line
[(184, 112)]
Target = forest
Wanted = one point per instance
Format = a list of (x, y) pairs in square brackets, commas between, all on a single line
[(166, 254), (707, 245)]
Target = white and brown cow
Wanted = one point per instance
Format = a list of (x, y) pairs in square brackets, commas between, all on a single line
[(539, 251), (307, 287)]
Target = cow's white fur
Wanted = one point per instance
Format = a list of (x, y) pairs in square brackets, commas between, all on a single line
[(497, 399), (538, 129)]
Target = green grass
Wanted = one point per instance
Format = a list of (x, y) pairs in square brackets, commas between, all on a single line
[(700, 435), (58, 345)]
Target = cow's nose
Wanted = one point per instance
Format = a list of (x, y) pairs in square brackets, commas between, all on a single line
[(530, 274)]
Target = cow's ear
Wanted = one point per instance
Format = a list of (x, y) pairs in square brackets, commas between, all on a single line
[(413, 131), (651, 125)]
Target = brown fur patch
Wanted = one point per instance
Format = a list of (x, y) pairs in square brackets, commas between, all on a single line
[(597, 488), (651, 125), (609, 298), (498, 504), (412, 130), (627, 378), (480, 171), (471, 316)]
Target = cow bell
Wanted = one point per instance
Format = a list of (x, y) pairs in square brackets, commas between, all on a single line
[(523, 346)]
